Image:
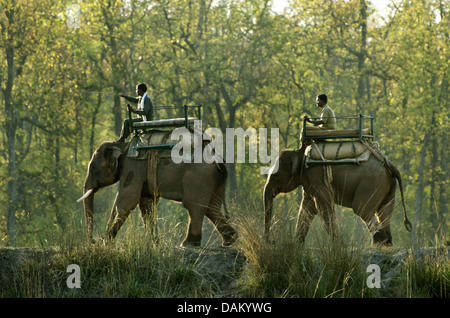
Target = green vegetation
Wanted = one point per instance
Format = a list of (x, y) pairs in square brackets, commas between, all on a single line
[(137, 266), (63, 63), (336, 268), (134, 267)]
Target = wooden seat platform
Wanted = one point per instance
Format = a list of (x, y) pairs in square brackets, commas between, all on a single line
[(333, 134), (173, 122)]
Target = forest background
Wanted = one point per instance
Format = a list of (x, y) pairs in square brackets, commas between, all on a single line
[(63, 64)]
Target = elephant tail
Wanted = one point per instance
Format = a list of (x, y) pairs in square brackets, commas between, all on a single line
[(397, 175)]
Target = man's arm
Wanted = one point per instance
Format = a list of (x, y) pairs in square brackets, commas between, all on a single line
[(315, 122), (129, 98)]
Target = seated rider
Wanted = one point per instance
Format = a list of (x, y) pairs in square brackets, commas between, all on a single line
[(327, 118), (144, 109)]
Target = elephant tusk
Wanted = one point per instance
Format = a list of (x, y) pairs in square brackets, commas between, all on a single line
[(88, 192)]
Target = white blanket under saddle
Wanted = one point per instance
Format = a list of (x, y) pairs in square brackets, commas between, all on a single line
[(342, 152)]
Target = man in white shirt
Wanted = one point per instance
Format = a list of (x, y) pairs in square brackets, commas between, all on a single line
[(327, 118), (144, 109)]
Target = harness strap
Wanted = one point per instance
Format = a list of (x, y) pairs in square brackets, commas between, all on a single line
[(152, 169), (379, 156), (318, 150)]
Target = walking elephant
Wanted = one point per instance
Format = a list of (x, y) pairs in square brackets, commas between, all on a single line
[(199, 186), (368, 189)]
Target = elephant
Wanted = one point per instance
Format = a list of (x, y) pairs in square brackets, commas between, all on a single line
[(368, 188), (199, 186)]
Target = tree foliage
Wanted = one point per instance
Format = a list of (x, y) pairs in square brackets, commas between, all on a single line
[(64, 62)]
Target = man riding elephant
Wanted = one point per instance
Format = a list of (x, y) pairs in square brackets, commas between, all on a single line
[(144, 109), (327, 118)]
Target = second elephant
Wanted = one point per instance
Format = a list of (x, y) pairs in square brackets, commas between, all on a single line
[(368, 189)]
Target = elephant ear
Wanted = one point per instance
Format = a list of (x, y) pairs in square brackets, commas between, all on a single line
[(295, 165), (112, 156)]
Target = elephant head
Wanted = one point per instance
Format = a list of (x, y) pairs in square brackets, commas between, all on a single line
[(103, 171), (284, 180)]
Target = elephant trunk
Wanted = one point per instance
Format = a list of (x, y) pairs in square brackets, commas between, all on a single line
[(286, 179), (88, 204), (268, 208)]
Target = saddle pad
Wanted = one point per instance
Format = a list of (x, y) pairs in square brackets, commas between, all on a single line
[(150, 138), (335, 151), (154, 138), (361, 158)]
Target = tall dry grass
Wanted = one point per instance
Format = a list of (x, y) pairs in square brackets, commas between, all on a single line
[(282, 267), (137, 265)]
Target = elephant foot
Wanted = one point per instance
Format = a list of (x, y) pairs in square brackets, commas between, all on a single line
[(229, 236), (227, 243), (190, 244), (380, 238), (192, 240)]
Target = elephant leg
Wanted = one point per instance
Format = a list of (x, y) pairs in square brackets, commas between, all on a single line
[(126, 201), (147, 207), (306, 215), (194, 234), (120, 217), (384, 215), (113, 214), (365, 208), (214, 214), (324, 203), (226, 231)]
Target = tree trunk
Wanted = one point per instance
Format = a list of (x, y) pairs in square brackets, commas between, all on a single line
[(419, 191), (94, 119), (433, 213), (117, 111), (362, 80), (444, 177), (444, 174), (11, 127)]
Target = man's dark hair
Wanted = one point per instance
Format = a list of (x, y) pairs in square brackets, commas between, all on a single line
[(323, 97), (142, 86)]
